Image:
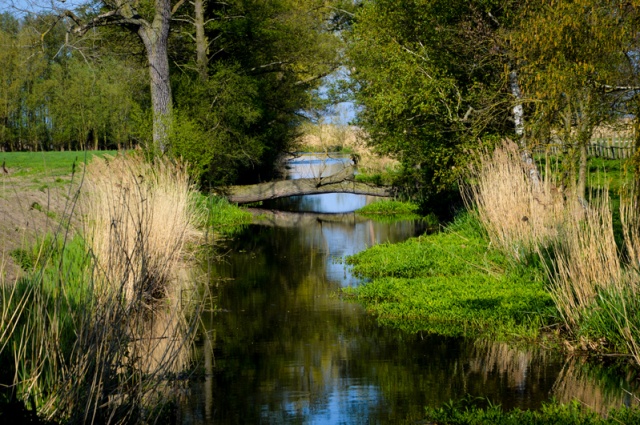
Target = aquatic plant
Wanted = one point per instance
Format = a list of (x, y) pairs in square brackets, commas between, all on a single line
[(220, 215), (451, 283), (391, 209)]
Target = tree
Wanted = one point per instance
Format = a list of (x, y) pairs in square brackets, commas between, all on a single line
[(263, 61), (429, 77), (151, 21), (567, 54)]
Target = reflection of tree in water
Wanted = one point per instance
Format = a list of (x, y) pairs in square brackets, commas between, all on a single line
[(285, 347), (591, 386)]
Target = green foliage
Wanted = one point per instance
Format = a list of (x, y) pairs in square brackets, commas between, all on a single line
[(391, 209), (451, 283), (52, 97), (271, 58), (428, 76), (222, 216), (470, 411)]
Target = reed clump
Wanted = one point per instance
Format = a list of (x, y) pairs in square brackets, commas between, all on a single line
[(329, 138), (138, 217), (101, 328), (517, 214), (593, 285)]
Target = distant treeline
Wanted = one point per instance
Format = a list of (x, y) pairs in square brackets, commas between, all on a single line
[(55, 98), (241, 74)]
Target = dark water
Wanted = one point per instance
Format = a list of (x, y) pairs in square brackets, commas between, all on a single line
[(285, 348)]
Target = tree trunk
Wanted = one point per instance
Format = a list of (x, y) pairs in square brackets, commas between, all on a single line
[(518, 111), (341, 182), (585, 131), (518, 118), (155, 36), (202, 44), (582, 173)]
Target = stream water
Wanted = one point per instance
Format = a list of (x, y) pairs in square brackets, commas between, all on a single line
[(283, 347)]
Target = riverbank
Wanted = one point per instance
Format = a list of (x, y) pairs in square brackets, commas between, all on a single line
[(522, 264), (101, 307), (453, 283)]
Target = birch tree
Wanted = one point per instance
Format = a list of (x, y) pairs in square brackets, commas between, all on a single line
[(567, 54)]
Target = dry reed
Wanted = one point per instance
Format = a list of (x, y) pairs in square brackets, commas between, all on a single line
[(586, 261), (104, 345), (517, 213), (139, 215), (332, 137), (594, 291)]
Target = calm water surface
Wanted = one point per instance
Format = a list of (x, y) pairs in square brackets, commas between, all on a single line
[(285, 348)]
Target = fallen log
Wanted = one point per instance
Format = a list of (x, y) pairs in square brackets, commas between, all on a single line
[(342, 182)]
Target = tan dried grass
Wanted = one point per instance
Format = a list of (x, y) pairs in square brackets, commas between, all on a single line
[(129, 325), (518, 213), (586, 260), (138, 216), (332, 137)]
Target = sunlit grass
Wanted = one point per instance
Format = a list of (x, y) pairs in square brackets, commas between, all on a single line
[(49, 164), (480, 411), (390, 208), (451, 283), (220, 215)]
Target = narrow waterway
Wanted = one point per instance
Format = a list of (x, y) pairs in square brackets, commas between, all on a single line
[(284, 347)]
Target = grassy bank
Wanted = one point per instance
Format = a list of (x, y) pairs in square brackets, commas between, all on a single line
[(480, 412), (526, 257), (452, 283)]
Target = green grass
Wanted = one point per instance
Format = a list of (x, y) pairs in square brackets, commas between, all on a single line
[(468, 412), (390, 208), (221, 215), (48, 299), (47, 164), (452, 283)]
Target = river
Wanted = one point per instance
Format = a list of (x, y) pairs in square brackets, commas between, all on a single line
[(282, 345)]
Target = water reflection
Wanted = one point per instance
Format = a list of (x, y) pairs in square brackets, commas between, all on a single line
[(288, 350), (285, 348)]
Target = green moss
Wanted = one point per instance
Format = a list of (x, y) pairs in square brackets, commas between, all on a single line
[(451, 283)]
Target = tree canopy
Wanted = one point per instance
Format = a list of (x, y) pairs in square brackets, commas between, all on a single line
[(436, 79), (240, 74), (433, 79)]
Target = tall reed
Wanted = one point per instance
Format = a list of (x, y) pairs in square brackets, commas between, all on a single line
[(585, 261), (108, 326), (517, 213), (595, 290)]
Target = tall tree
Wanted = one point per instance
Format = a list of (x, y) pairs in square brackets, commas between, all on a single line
[(244, 81), (429, 76), (150, 20), (567, 54)]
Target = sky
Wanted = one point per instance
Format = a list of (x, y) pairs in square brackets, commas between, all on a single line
[(25, 6)]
